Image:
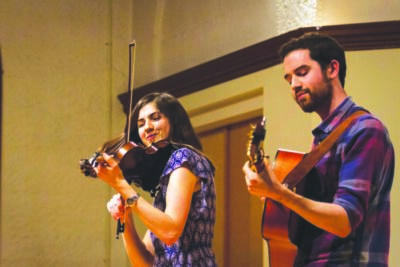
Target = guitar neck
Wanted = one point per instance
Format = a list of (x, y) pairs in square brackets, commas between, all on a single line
[(259, 167)]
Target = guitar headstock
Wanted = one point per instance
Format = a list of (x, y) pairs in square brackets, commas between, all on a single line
[(255, 152)]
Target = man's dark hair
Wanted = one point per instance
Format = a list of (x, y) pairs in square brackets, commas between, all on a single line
[(323, 49)]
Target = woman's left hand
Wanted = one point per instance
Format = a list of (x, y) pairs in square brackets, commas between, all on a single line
[(109, 171)]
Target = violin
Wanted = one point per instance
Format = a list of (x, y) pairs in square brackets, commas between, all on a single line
[(140, 165)]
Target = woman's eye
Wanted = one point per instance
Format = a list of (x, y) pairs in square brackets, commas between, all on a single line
[(156, 117)]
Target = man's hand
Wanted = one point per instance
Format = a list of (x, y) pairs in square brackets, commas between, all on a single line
[(264, 184)]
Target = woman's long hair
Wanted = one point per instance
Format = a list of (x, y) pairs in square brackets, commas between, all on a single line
[(181, 129)]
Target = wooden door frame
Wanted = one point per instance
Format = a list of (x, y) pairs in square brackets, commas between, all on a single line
[(226, 130)]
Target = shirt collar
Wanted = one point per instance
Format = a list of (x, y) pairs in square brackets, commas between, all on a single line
[(327, 125)]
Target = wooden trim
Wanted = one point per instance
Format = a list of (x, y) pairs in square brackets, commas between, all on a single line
[(361, 36)]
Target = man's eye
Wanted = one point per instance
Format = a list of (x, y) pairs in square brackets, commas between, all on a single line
[(302, 73)]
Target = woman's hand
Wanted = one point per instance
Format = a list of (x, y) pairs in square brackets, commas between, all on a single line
[(109, 171), (115, 207)]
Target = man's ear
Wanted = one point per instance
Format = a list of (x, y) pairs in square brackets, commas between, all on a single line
[(333, 68)]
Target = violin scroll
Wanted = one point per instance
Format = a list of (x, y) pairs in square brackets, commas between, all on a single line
[(88, 165), (110, 147)]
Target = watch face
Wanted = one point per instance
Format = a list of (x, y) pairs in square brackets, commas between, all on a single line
[(132, 200)]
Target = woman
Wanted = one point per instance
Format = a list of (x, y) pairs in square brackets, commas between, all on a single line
[(181, 220)]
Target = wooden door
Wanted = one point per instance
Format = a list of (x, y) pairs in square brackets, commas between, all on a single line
[(237, 240)]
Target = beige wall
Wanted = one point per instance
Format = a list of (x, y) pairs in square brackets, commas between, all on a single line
[(64, 64), (178, 34)]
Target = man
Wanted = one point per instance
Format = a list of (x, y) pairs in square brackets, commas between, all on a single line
[(347, 222)]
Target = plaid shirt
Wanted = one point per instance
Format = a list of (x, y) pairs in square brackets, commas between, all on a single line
[(357, 174)]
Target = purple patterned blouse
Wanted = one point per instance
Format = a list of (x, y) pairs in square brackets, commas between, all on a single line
[(194, 245)]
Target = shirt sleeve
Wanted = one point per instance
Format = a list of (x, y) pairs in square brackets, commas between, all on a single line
[(365, 157), (197, 164)]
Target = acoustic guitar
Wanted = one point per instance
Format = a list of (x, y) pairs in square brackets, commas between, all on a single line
[(275, 221), (277, 229)]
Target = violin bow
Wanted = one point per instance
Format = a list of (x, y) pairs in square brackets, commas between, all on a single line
[(132, 58)]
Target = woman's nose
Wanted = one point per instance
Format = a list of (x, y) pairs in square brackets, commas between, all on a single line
[(148, 126)]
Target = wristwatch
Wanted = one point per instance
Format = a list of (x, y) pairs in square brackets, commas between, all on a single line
[(131, 201)]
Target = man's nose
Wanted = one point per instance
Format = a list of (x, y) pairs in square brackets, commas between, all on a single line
[(295, 82)]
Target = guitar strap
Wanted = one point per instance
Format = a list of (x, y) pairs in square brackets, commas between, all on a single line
[(308, 162)]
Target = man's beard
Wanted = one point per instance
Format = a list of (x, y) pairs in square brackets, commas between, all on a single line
[(317, 98)]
